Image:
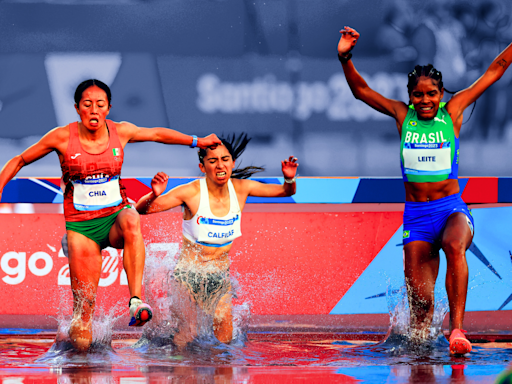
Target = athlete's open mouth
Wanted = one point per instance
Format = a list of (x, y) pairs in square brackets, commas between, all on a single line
[(94, 121), (221, 174)]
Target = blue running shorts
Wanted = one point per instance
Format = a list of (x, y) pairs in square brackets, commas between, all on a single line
[(426, 221)]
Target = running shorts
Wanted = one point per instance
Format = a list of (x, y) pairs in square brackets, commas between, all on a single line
[(95, 229), (425, 221)]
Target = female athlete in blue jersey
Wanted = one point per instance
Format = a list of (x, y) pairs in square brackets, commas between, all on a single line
[(435, 217)]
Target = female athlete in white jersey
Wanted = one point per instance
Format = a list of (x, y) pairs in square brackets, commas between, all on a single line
[(211, 221)]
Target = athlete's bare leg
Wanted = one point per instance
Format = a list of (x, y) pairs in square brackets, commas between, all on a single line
[(421, 265), (456, 239), (85, 270), (126, 234), (186, 311), (223, 320)]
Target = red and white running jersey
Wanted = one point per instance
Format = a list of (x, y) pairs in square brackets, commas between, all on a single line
[(91, 182)]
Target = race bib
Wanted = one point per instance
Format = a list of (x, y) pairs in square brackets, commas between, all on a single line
[(95, 194), (427, 159), (218, 231)]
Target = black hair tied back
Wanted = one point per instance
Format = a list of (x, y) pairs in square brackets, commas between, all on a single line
[(434, 74), (235, 146), (427, 71), (91, 83)]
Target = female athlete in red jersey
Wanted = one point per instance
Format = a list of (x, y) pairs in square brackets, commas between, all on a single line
[(91, 156)]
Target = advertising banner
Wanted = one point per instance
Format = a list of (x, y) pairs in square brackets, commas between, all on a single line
[(286, 263)]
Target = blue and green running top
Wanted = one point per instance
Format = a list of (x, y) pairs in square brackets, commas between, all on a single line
[(429, 150)]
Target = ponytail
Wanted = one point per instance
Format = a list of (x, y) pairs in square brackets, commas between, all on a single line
[(235, 146)]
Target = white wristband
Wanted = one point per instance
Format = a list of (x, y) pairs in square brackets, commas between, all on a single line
[(290, 181)]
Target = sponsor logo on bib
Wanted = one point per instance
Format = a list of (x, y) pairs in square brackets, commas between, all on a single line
[(96, 192), (206, 220)]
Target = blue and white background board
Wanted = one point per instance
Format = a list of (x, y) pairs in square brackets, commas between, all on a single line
[(489, 261)]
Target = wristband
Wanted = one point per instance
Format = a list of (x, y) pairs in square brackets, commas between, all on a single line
[(290, 181), (344, 59), (194, 141)]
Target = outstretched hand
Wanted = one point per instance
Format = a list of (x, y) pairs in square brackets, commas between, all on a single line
[(347, 41), (210, 141), (159, 183), (289, 167)]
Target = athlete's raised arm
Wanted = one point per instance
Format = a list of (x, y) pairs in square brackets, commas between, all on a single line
[(288, 188), (359, 87), (461, 100), (130, 133), (154, 201), (56, 139)]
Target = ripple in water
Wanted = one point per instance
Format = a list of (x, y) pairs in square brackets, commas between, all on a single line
[(101, 353), (400, 347), (156, 345), (177, 315)]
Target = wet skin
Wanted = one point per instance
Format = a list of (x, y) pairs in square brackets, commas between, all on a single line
[(425, 98), (421, 267), (422, 258), (85, 259), (218, 258), (217, 166)]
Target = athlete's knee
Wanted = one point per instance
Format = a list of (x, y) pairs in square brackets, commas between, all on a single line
[(453, 248), (130, 223)]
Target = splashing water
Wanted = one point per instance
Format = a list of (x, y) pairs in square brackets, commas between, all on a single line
[(62, 352), (184, 297), (400, 315), (399, 338), (157, 353), (400, 343), (170, 302)]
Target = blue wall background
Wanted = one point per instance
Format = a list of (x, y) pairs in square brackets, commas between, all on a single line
[(267, 68)]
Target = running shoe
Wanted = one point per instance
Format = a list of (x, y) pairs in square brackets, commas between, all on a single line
[(459, 344), (140, 312)]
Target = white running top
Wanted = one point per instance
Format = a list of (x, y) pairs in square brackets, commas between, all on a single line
[(206, 229)]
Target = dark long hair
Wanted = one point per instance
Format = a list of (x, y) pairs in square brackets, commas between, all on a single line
[(235, 146), (89, 83), (430, 72)]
